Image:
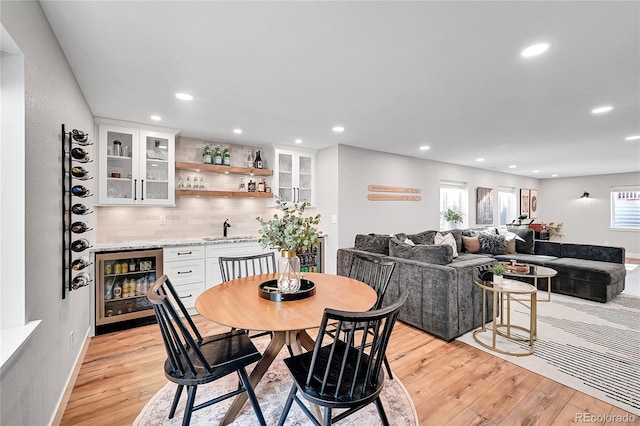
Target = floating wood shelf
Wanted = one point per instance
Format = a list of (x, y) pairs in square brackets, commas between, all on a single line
[(211, 168), (229, 194)]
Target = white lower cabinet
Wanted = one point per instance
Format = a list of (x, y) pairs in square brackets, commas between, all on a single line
[(185, 267), (214, 251)]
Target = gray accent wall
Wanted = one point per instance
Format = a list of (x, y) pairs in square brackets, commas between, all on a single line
[(32, 382)]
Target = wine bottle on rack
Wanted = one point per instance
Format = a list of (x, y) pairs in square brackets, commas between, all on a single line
[(80, 245), (79, 209), (80, 173), (80, 263), (258, 160), (80, 280), (79, 227), (80, 191), (80, 154), (80, 136)]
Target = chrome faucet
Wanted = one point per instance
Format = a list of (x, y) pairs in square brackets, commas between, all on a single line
[(225, 225)]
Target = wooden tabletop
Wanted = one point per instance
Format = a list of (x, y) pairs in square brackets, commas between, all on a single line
[(237, 303)]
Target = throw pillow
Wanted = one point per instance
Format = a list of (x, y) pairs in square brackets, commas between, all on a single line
[(471, 244), (510, 242), (448, 239), (507, 233), (373, 243), (425, 237), (439, 255), (408, 241), (457, 236), (492, 244), (526, 246)]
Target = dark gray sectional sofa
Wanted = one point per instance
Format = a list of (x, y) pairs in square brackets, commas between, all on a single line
[(444, 302)]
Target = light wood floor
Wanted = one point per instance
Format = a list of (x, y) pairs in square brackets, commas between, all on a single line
[(450, 383)]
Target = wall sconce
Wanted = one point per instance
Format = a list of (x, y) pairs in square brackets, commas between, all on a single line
[(585, 194)]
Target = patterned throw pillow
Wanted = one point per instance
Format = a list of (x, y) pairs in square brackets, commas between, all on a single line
[(447, 239), (492, 244)]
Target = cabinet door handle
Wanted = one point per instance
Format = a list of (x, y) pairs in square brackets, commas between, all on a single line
[(142, 189), (135, 189), (184, 272), (180, 253), (186, 297)]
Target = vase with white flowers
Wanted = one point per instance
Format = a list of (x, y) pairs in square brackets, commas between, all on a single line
[(289, 231)]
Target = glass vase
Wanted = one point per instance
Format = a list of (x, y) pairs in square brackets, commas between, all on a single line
[(288, 272)]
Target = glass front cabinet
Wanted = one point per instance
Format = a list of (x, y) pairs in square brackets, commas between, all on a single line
[(294, 175), (123, 279), (136, 167)]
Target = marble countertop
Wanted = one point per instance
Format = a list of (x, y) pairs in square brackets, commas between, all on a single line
[(155, 244)]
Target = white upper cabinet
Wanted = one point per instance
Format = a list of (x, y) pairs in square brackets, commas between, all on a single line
[(136, 167), (294, 177)]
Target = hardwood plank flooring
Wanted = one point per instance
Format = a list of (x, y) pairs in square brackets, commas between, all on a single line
[(450, 383)]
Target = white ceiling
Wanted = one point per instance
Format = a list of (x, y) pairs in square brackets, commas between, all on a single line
[(396, 75)]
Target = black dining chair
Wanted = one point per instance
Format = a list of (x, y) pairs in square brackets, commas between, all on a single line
[(246, 266), (193, 360), (344, 374), (376, 273)]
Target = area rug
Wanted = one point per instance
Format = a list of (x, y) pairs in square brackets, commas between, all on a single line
[(589, 346), (272, 392)]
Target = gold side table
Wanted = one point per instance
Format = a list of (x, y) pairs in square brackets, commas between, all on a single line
[(503, 293), (536, 272)]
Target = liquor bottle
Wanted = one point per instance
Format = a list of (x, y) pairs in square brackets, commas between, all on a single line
[(226, 157), (188, 182), (80, 263), (206, 154), (80, 245), (80, 173), (79, 227), (250, 163), (132, 265), (80, 191), (261, 186), (251, 186), (124, 266), (217, 156), (80, 154), (180, 183), (80, 280), (258, 160), (242, 187), (79, 209), (201, 183)]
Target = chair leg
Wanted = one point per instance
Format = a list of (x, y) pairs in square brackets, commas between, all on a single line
[(191, 399), (327, 416), (388, 367), (176, 398), (383, 415), (287, 406), (252, 396)]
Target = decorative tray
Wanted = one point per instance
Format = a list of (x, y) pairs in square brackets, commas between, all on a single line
[(517, 268), (269, 290)]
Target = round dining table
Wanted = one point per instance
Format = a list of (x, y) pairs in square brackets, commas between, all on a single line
[(238, 304)]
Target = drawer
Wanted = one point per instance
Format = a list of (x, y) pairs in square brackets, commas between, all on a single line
[(183, 253), (185, 271), (188, 293), (233, 249)]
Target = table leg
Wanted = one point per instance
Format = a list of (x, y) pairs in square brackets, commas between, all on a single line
[(275, 346)]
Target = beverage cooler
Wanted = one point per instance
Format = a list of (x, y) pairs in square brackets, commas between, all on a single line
[(123, 279), (312, 260)]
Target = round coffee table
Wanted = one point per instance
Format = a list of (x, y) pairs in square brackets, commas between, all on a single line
[(535, 272)]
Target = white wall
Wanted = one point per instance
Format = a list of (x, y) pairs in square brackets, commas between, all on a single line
[(33, 380), (587, 220), (327, 202)]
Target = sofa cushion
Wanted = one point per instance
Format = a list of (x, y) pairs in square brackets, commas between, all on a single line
[(594, 271), (447, 238), (373, 243), (492, 244), (527, 245), (426, 237), (548, 248), (471, 244), (439, 255), (591, 252)]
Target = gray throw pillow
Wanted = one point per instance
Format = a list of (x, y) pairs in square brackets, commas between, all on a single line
[(525, 246), (492, 244), (373, 243), (426, 237), (438, 255)]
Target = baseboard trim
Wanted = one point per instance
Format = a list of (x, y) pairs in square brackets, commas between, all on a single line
[(64, 399)]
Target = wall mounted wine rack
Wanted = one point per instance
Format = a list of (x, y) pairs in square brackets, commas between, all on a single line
[(74, 263)]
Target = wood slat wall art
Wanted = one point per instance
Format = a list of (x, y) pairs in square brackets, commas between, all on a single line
[(393, 197), (383, 188)]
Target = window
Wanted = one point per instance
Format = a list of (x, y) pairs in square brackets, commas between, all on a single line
[(625, 207), (506, 205), (454, 196)]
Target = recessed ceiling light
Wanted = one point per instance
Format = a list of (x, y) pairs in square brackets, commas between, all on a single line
[(535, 50), (298, 141), (479, 160), (554, 175), (602, 109), (513, 166), (237, 131), (536, 171), (338, 129), (424, 148), (632, 138), (156, 118), (184, 96)]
